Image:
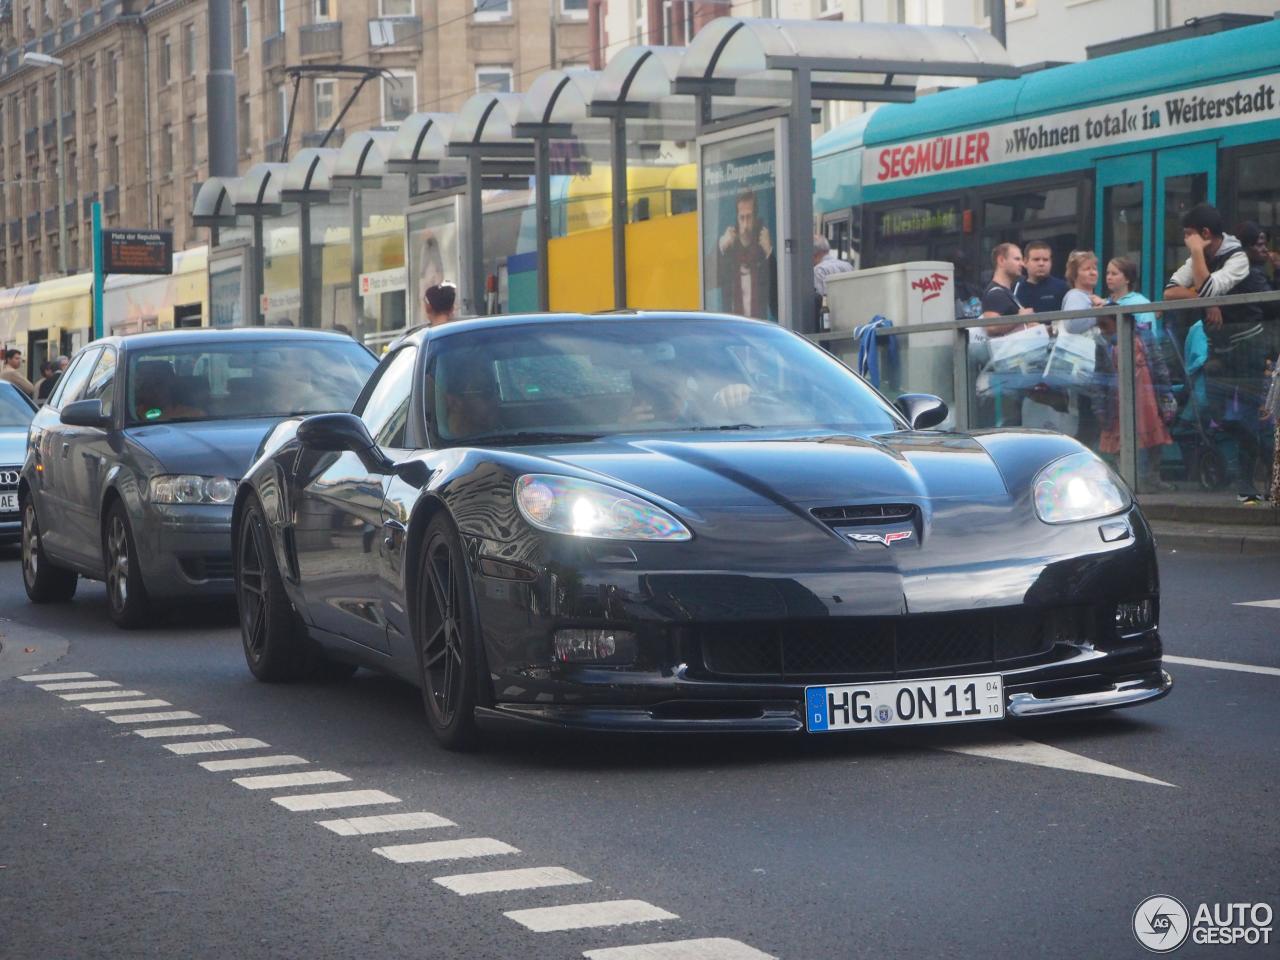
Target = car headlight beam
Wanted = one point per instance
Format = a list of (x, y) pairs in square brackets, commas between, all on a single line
[(190, 488), (583, 508), (1078, 487)]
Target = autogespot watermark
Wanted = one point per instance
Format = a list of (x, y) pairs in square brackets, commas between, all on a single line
[(1162, 924)]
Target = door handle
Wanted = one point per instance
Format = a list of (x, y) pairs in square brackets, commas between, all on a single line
[(66, 450), (392, 529)]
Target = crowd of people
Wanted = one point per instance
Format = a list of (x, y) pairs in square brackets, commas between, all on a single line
[(1064, 375), (42, 389)]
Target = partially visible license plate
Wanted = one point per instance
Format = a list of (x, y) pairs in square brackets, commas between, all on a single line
[(8, 502), (903, 703)]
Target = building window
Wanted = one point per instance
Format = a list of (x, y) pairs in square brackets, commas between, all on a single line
[(50, 101), (242, 25), (574, 9), (395, 8), (189, 141), (113, 160), (91, 168), (90, 83), (280, 16), (166, 151), (246, 136), (493, 9), (496, 79), (166, 60), (323, 10), (113, 77), (399, 96), (73, 177), (282, 111), (189, 49), (325, 94), (828, 6)]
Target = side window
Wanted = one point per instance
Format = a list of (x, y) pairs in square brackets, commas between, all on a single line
[(102, 380), (385, 406), (68, 389)]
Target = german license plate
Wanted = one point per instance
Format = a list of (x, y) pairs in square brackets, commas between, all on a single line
[(903, 703), (8, 503)]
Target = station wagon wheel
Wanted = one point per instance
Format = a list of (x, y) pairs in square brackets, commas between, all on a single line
[(275, 646), (44, 582), (127, 601), (447, 637)]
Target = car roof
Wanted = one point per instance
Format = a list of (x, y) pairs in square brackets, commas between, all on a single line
[(169, 338), (455, 327)]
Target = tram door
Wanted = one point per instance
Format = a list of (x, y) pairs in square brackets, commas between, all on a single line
[(1141, 198)]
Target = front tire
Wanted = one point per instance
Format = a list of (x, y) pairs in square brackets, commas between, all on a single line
[(44, 582), (447, 638), (275, 645), (127, 602)]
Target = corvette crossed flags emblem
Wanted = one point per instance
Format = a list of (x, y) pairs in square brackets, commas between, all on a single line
[(884, 539)]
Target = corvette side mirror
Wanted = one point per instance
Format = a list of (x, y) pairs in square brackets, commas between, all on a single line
[(922, 410), (85, 413), (342, 433)]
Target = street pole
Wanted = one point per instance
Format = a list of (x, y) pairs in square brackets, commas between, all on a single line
[(62, 171), (220, 94), (98, 276)]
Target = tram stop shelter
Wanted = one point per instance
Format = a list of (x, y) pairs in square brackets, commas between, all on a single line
[(755, 82)]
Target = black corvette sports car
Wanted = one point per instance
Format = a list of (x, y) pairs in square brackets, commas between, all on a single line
[(687, 522)]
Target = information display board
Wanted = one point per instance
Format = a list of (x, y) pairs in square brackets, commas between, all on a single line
[(137, 251)]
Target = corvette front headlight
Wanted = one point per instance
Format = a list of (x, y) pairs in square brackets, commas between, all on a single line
[(583, 508), (190, 488), (1078, 487)]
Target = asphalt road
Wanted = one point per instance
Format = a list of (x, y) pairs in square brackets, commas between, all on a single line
[(987, 841)]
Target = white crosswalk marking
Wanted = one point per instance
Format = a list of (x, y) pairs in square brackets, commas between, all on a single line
[(576, 916), (79, 685), (155, 717), (1223, 665), (1269, 604), (101, 695), (252, 763), (215, 746), (1043, 755), (710, 948), (124, 705), (274, 781), (37, 677), (201, 729), (387, 823), (445, 850), (498, 881), (332, 801)]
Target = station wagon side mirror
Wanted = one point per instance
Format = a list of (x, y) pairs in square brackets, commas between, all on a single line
[(85, 413), (922, 410), (340, 433)]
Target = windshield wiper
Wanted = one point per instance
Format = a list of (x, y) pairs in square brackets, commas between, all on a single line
[(526, 436)]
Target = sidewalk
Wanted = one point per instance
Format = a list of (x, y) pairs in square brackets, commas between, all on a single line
[(1212, 521)]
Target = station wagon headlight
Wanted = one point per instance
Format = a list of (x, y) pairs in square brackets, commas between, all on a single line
[(582, 508), (190, 488), (1078, 487)]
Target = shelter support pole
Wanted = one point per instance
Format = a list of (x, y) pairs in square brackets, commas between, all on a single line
[(306, 295), (256, 266), (798, 311), (542, 202), (961, 384), (357, 260), (475, 235), (1128, 417), (618, 198)]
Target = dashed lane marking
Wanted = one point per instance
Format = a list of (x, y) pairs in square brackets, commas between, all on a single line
[(1272, 604), (202, 729), (387, 823), (575, 916), (445, 850), (252, 763), (37, 677), (499, 881), (78, 685), (155, 717), (100, 695), (1223, 665), (214, 746), (710, 948), (332, 801), (124, 705), (275, 781), (1043, 755)]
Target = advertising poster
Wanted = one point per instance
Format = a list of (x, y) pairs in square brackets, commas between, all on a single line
[(739, 225), (434, 253)]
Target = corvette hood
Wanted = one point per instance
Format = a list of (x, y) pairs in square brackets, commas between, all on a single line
[(697, 471), (211, 448)]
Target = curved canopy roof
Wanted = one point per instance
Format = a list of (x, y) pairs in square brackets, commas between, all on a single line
[(847, 60), (421, 143), (307, 179), (636, 79), (257, 193), (486, 126), (215, 203), (362, 161), (556, 101)]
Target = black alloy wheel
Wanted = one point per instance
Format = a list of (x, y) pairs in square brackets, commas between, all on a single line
[(447, 637), (275, 646), (44, 582), (127, 602)]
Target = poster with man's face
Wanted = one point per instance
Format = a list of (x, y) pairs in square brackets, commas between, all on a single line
[(433, 253), (739, 226)]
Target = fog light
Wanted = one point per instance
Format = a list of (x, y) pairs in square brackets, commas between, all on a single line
[(1135, 615), (595, 646)]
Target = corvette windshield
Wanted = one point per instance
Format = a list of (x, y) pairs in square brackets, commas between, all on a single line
[(555, 382), (246, 379)]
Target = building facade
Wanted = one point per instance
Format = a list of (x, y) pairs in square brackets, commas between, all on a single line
[(134, 120)]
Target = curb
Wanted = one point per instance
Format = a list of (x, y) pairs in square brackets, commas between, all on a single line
[(1245, 541), (25, 649)]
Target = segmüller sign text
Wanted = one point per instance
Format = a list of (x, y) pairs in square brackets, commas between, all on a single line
[(137, 251)]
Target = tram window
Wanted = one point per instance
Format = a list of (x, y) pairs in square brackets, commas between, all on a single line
[(1122, 223), (1257, 192), (1181, 193), (917, 232), (1025, 206)]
